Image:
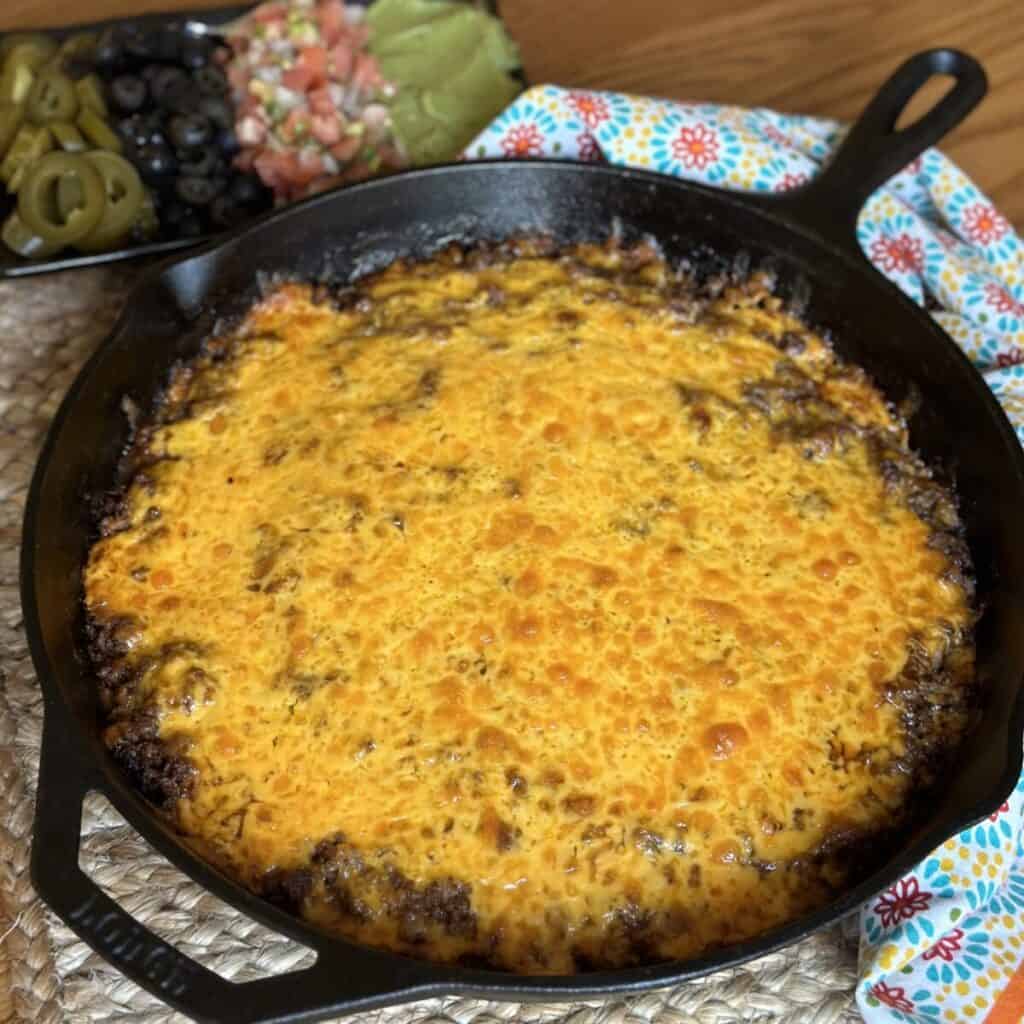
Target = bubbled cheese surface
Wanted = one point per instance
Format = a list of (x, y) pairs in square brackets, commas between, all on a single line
[(498, 578)]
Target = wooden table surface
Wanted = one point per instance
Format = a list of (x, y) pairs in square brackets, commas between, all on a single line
[(794, 55)]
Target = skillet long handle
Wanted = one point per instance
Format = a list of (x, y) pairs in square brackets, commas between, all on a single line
[(873, 150), (65, 777)]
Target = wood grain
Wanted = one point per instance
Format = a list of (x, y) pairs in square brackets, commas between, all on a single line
[(793, 55)]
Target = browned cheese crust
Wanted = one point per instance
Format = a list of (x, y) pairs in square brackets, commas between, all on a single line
[(543, 609)]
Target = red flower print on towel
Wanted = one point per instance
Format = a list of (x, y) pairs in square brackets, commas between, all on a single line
[(790, 180), (590, 109), (892, 996), (523, 140), (769, 131), (946, 947), (1003, 302), (901, 901), (1012, 358), (900, 253), (589, 149), (696, 147), (984, 224)]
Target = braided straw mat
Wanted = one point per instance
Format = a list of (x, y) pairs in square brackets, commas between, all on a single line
[(48, 326)]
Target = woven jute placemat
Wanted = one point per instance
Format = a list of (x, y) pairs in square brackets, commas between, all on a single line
[(48, 326)]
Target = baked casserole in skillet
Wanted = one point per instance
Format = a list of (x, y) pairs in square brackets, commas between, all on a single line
[(546, 610)]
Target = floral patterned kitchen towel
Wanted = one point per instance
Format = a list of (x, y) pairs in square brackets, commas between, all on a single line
[(946, 942)]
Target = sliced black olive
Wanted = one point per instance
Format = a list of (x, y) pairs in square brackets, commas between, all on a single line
[(247, 190), (195, 52), (173, 211), (210, 80), (218, 110), (196, 191), (200, 162), (128, 93), (149, 72), (108, 55), (140, 46), (225, 212), (182, 98), (167, 42), (141, 129), (155, 161), (186, 131), (165, 80), (190, 226)]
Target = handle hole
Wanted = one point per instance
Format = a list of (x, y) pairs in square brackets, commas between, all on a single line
[(195, 922), (929, 96)]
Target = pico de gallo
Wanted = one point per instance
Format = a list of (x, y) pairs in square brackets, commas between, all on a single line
[(328, 93), (309, 97)]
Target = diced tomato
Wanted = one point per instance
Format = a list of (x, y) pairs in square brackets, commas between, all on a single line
[(390, 156), (305, 167), (296, 125), (359, 36), (297, 77), (347, 148), (327, 128), (272, 169), (341, 60), (250, 106), (314, 59), (331, 16), (358, 170), (238, 79), (244, 160), (320, 101), (274, 11), (366, 73)]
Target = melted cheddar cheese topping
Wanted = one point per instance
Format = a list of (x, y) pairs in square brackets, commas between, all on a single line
[(523, 611)]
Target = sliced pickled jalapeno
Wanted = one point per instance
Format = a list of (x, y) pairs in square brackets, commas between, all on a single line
[(90, 94), (68, 137), (15, 83), (52, 98), (24, 242), (81, 44), (34, 48), (10, 122), (29, 144), (96, 130), (124, 194), (70, 195), (37, 199)]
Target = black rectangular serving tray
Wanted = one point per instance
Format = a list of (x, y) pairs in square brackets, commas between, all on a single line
[(200, 21)]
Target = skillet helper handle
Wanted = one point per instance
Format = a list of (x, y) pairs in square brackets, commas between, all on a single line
[(64, 779), (874, 150)]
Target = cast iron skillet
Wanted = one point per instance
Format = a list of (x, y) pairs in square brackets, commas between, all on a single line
[(807, 236)]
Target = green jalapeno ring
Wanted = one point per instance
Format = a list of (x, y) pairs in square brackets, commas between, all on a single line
[(37, 206), (124, 193), (90, 95), (96, 130), (30, 48), (81, 44), (10, 122), (24, 242), (52, 98)]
